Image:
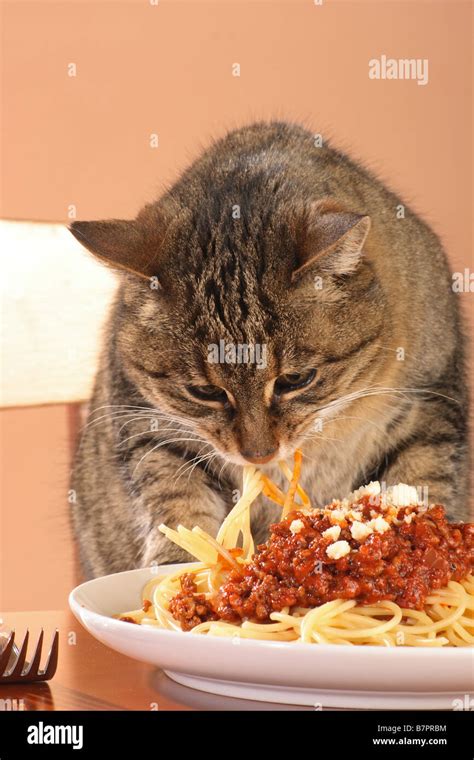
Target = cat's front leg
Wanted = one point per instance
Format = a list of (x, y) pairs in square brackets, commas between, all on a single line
[(162, 493), (437, 467)]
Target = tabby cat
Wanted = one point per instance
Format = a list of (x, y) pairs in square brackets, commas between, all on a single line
[(277, 296)]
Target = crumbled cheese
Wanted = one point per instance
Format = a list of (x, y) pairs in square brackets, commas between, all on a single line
[(353, 514), (296, 526), (402, 495), (337, 515), (338, 549), (360, 530), (332, 533), (371, 489), (379, 525), (409, 518)]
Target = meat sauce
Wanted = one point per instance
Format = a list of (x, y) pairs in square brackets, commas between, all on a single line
[(189, 607), (403, 564)]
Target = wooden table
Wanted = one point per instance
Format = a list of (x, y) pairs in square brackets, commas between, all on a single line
[(92, 677)]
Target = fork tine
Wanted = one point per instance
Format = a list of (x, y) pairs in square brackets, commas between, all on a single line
[(32, 671), (34, 664), (17, 670), (52, 661), (5, 655)]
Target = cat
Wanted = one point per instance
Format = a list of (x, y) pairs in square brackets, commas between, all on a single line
[(266, 242)]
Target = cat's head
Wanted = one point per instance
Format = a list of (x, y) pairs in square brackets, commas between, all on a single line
[(244, 326)]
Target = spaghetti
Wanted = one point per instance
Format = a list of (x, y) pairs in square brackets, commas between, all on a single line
[(377, 568)]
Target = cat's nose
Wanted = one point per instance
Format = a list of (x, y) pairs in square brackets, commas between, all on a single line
[(259, 457)]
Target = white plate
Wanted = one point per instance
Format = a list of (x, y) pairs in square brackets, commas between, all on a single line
[(327, 675)]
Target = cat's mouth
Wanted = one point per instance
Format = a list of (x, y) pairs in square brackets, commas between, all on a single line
[(282, 452)]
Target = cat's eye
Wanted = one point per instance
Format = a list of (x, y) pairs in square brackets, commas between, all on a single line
[(293, 381), (208, 393)]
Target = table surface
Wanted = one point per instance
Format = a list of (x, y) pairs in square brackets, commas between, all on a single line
[(90, 676)]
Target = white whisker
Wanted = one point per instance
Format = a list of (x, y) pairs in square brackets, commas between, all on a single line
[(186, 464), (162, 430), (159, 445), (194, 462), (209, 456)]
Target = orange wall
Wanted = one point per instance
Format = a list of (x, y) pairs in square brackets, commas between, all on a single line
[(166, 69), (37, 555)]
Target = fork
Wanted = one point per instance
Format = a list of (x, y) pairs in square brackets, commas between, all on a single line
[(13, 661)]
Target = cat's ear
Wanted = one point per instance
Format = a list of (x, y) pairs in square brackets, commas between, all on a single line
[(117, 242), (331, 240)]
